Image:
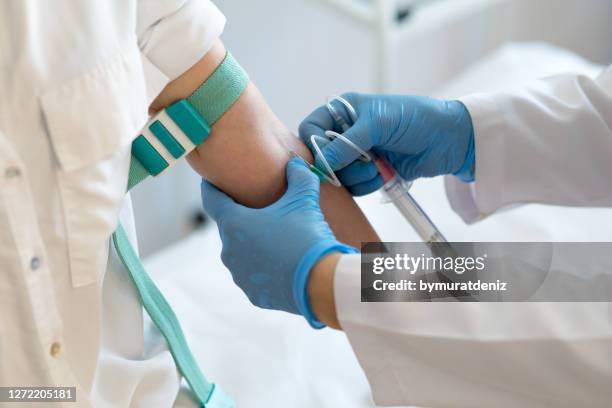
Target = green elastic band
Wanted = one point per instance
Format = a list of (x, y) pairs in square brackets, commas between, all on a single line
[(220, 91), (210, 394), (137, 173), (162, 315), (211, 100)]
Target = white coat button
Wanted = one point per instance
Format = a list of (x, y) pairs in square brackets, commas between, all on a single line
[(35, 263), (12, 172), (55, 350)]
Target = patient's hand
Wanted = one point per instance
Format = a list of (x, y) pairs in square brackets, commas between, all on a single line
[(247, 151)]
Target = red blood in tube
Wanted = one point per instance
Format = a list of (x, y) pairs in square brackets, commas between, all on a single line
[(386, 171)]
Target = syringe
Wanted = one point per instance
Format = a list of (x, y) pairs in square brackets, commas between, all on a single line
[(395, 188)]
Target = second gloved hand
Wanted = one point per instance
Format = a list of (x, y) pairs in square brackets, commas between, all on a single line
[(270, 251), (418, 136)]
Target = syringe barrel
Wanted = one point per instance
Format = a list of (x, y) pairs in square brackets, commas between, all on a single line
[(396, 191)]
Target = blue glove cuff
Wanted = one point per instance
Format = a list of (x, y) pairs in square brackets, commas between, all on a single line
[(300, 281), (466, 172)]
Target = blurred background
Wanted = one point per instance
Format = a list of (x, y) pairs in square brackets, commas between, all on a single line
[(300, 51)]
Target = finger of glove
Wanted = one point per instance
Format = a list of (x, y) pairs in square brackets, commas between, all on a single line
[(412, 167), (357, 172), (300, 179), (367, 187), (316, 123), (340, 154), (216, 203)]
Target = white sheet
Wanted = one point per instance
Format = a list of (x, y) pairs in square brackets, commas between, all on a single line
[(271, 359)]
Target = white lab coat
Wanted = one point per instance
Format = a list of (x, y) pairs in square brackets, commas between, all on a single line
[(550, 142), (76, 80)]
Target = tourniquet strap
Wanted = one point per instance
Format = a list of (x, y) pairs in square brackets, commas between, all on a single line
[(172, 134)]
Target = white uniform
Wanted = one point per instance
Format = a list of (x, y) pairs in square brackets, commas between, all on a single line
[(76, 80), (548, 143)]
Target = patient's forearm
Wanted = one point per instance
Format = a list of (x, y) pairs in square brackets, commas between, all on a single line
[(247, 151)]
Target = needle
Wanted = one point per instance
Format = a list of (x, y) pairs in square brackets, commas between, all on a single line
[(322, 176)]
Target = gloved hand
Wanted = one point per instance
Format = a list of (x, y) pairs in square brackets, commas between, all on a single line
[(418, 136), (270, 251)]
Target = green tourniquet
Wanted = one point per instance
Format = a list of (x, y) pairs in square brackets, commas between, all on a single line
[(162, 315), (148, 156), (220, 91), (189, 120), (166, 138), (211, 100), (137, 173)]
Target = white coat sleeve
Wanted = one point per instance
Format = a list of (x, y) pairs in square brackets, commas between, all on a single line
[(477, 354), (173, 35), (549, 143)]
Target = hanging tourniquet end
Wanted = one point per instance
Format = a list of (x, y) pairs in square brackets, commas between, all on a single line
[(170, 135)]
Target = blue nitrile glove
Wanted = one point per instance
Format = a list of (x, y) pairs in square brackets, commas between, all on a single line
[(270, 251), (418, 136)]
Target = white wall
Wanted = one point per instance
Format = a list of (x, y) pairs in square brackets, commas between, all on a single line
[(300, 51), (445, 38)]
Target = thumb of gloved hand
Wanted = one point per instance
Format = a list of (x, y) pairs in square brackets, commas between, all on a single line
[(339, 153), (216, 202), (301, 181)]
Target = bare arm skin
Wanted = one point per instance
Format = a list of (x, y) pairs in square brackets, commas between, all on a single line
[(248, 149), (321, 290)]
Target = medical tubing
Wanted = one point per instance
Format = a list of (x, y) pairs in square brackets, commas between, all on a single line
[(395, 188), (333, 179)]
